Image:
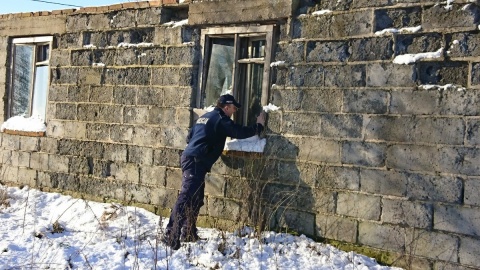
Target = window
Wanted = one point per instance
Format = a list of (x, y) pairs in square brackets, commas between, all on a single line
[(236, 60), (30, 73)]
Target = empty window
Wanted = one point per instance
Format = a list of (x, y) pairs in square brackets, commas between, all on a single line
[(30, 73), (236, 60)]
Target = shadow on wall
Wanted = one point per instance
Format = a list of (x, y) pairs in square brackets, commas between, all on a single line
[(272, 189)]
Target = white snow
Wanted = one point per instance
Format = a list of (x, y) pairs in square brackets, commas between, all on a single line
[(321, 12), (270, 108), (21, 123), (278, 64), (89, 46), (412, 58), (442, 87), (401, 30), (176, 24), (40, 230), (98, 64), (449, 5), (133, 45)]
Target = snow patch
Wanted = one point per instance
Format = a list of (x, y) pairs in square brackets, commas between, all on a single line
[(401, 30), (21, 123), (406, 59)]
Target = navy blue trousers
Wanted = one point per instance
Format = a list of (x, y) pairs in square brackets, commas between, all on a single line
[(190, 199)]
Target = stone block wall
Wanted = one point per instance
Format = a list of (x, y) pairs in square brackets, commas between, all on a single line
[(379, 156), (393, 147)]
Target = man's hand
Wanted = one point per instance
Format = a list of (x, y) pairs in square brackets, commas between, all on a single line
[(261, 118)]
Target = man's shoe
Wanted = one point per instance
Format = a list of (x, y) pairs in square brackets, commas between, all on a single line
[(170, 241), (191, 237)]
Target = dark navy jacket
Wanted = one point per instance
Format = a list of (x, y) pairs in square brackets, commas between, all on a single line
[(207, 137)]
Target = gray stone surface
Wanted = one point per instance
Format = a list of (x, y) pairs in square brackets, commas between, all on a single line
[(381, 236), (471, 196), (336, 227), (359, 206), (432, 245), (386, 182), (407, 213), (326, 51), (468, 251), (457, 219), (365, 101), (364, 154), (397, 18)]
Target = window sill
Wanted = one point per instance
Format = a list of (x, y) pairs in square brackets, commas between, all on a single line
[(25, 133)]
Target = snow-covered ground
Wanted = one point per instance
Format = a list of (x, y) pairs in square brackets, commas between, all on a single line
[(40, 230)]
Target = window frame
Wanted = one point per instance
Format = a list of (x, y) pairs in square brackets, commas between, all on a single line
[(36, 42), (238, 32)]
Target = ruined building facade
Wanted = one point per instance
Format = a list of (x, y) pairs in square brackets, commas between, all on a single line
[(375, 147)]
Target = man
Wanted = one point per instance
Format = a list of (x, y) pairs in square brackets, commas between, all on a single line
[(206, 141)]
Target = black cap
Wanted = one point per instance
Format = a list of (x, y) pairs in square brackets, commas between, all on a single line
[(228, 99)]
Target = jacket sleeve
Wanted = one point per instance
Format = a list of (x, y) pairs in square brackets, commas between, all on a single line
[(238, 131)]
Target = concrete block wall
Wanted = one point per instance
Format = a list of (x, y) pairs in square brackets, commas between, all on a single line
[(118, 106), (405, 136), (364, 151)]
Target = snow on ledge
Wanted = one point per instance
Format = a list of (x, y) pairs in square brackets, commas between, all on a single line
[(270, 108), (176, 24), (20, 123), (412, 58), (401, 30), (442, 87), (252, 144)]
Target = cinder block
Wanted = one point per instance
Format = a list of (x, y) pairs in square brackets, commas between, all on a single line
[(395, 18), (221, 12), (383, 182), (442, 73), (365, 101), (336, 227), (31, 144), (223, 208), (334, 78), (215, 185), (457, 219), (166, 157), (434, 245), (469, 250), (39, 161), (164, 198), (316, 100), (58, 163), (27, 177), (364, 154), (173, 178), (471, 196), (139, 155), (341, 126), (97, 132), (438, 17), (306, 124), (412, 157), (125, 172), (338, 178), (295, 220), (391, 75), (359, 206), (318, 150), (291, 53), (115, 152), (121, 133), (350, 24), (436, 188), (462, 160), (407, 213), (136, 115), (184, 55), (385, 237), (418, 43), (321, 51), (306, 76), (371, 49)]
